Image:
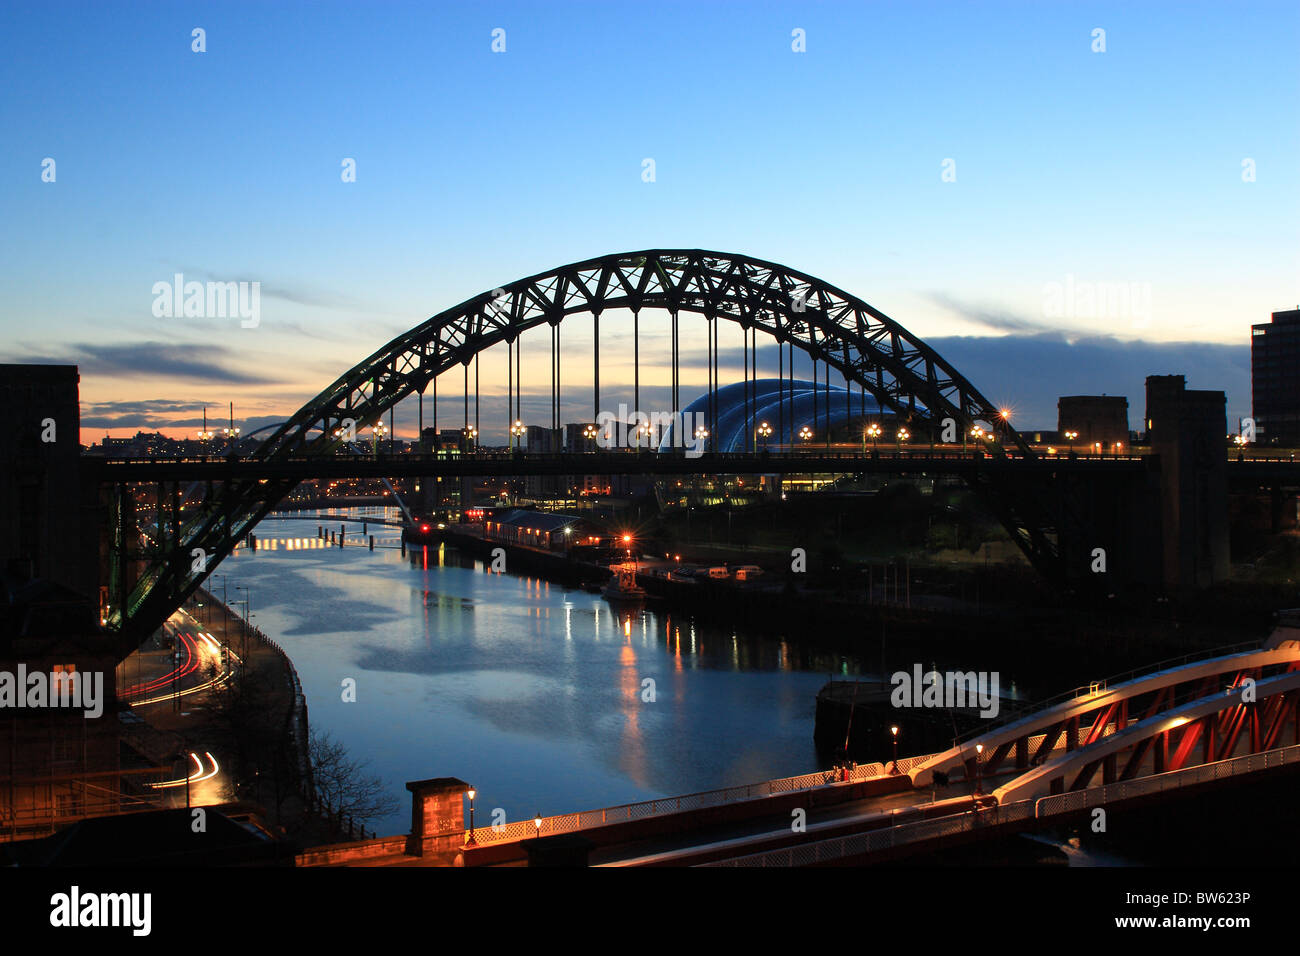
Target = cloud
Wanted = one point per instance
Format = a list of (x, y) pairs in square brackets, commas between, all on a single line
[(160, 413), (1030, 372), (194, 363), (278, 290), (998, 321)]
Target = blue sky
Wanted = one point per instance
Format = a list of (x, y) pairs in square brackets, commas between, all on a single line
[(475, 168)]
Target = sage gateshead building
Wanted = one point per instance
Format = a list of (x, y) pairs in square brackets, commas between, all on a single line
[(800, 413)]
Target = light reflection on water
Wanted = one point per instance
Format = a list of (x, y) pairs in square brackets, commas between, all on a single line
[(538, 695)]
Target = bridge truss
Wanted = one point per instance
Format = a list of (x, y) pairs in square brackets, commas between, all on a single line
[(837, 330)]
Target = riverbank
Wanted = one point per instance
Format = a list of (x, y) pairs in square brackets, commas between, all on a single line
[(886, 618), (261, 717)]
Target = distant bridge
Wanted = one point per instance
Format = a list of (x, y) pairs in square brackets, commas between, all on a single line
[(355, 519), (518, 464)]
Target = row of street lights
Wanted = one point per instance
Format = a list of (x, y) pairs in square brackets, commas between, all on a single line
[(230, 433), (537, 819), (590, 432)]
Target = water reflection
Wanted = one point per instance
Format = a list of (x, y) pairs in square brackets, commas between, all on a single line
[(534, 693)]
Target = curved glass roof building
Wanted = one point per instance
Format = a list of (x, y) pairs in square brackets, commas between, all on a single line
[(728, 432)]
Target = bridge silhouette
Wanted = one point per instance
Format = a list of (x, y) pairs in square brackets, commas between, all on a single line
[(1057, 510)]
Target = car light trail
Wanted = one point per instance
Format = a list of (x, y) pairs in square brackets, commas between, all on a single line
[(198, 776)]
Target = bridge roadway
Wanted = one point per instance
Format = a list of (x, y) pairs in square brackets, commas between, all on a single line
[(485, 464), (711, 844), (920, 811), (354, 519)]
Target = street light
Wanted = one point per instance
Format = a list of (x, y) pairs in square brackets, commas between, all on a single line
[(894, 730), (537, 825), (805, 433), (765, 432), (590, 432), (872, 432), (472, 793), (903, 435), (516, 431), (701, 434), (979, 754), (248, 613), (1070, 437)]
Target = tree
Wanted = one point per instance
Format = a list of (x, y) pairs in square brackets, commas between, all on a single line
[(342, 785)]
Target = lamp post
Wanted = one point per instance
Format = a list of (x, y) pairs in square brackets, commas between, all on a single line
[(377, 432), (472, 793), (537, 825), (248, 613), (873, 432), (894, 731), (701, 435), (185, 759), (764, 432), (805, 434), (902, 436), (471, 436), (204, 434), (979, 754), (589, 432), (1070, 437), (516, 433)]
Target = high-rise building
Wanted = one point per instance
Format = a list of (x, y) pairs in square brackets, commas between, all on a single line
[(1275, 379)]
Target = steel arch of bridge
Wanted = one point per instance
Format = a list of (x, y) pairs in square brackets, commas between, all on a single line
[(865, 346)]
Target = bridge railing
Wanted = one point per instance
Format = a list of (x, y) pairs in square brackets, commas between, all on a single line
[(1100, 686), (839, 848), (586, 819), (1060, 803)]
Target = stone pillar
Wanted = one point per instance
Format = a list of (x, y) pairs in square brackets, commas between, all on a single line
[(1186, 429), (437, 816)]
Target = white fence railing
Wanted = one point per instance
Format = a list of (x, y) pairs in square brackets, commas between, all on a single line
[(569, 822), (1157, 783), (838, 848)]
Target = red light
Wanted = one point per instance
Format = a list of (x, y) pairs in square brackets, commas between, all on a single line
[(424, 527)]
